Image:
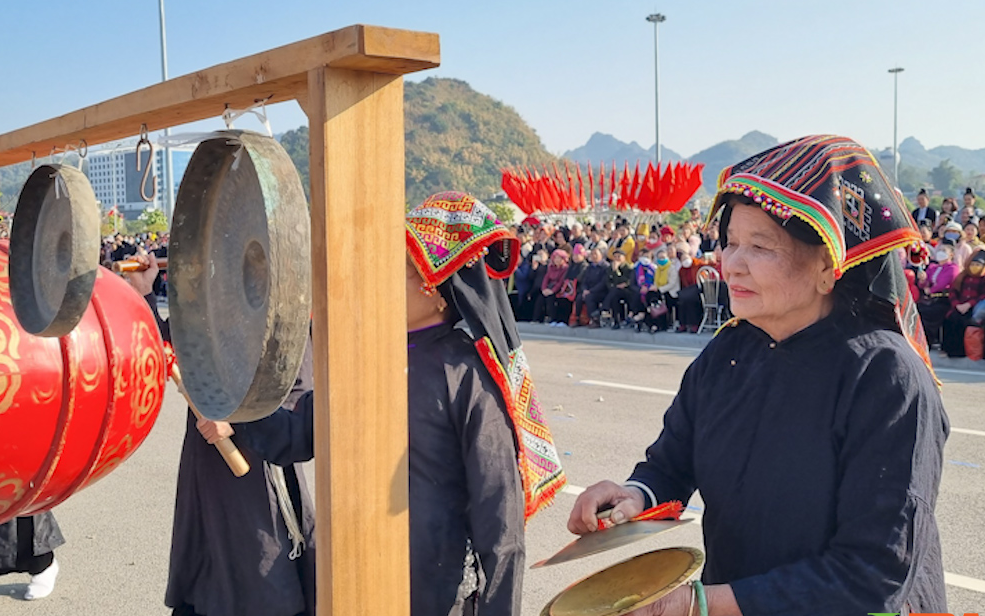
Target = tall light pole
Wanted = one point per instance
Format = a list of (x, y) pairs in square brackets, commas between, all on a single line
[(895, 71), (168, 170), (656, 19)]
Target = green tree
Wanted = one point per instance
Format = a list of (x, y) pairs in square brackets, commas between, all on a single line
[(911, 178), (945, 177), (295, 142), (153, 221)]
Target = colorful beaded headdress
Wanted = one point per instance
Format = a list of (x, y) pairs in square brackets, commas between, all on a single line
[(457, 244), (835, 185), (451, 230)]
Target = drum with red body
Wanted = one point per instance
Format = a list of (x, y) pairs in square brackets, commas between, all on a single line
[(75, 407)]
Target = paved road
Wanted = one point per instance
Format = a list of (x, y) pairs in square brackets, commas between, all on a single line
[(605, 404)]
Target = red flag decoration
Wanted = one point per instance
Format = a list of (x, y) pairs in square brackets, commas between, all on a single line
[(624, 200), (612, 184), (602, 184), (581, 192), (591, 186), (552, 192)]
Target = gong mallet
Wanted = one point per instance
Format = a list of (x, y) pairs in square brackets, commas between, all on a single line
[(230, 453), (135, 266)]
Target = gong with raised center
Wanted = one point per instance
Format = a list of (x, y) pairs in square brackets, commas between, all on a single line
[(628, 585), (239, 276), (54, 250)]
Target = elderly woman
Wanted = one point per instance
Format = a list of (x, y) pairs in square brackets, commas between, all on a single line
[(967, 290), (934, 284), (811, 427)]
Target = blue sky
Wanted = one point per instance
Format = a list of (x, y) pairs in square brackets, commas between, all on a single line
[(570, 68)]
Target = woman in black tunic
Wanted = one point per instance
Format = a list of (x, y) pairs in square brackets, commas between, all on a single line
[(481, 459), (812, 425), (233, 553)]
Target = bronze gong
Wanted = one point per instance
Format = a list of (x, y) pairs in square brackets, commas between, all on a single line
[(628, 585), (54, 250), (239, 276)]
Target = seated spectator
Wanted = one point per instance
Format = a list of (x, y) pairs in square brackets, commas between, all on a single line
[(645, 274), (967, 290), (529, 277), (577, 235), (551, 285), (593, 287), (565, 298), (619, 287), (594, 239), (668, 283), (561, 242), (624, 243), (710, 241), (934, 284)]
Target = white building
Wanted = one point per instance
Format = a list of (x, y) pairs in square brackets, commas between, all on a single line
[(116, 181)]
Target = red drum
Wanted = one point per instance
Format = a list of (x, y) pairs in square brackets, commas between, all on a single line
[(73, 408)]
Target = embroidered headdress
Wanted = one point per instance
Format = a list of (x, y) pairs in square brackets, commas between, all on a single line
[(835, 186), (461, 249)]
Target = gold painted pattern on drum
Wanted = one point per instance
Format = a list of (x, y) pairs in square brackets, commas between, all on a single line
[(89, 381), (147, 368), (112, 458), (10, 379), (16, 486)]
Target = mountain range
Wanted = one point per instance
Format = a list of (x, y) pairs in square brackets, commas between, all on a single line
[(603, 147)]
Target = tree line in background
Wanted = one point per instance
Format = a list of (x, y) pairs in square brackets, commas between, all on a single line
[(457, 138)]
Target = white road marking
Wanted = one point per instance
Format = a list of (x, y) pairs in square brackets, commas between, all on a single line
[(635, 345), (668, 392), (951, 579), (956, 371), (691, 350), (963, 581), (649, 390), (967, 431)]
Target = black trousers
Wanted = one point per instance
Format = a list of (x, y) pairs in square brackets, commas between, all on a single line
[(689, 309), (952, 342), (932, 313), (559, 311), (591, 303), (26, 561), (617, 295)]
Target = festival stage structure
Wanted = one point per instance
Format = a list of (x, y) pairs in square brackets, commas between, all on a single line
[(637, 196), (350, 84)]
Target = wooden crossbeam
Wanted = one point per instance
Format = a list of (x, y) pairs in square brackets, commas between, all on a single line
[(277, 75)]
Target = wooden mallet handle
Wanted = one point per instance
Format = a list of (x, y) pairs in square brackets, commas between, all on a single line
[(230, 453), (133, 266)]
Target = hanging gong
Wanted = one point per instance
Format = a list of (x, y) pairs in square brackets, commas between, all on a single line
[(628, 585), (239, 276), (54, 250)]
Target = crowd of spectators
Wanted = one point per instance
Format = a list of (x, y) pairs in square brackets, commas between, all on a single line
[(120, 247), (950, 289), (616, 274)]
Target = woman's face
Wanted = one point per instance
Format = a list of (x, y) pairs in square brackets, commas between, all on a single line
[(558, 261), (969, 201), (775, 282), (422, 311), (970, 232), (976, 268)]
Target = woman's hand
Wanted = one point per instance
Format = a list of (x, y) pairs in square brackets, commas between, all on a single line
[(674, 604), (720, 599), (963, 308), (143, 281), (627, 503), (214, 431), (547, 292)]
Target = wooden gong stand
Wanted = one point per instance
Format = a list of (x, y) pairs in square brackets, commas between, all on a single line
[(349, 83)]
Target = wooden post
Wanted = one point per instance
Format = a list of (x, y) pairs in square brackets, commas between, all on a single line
[(358, 280)]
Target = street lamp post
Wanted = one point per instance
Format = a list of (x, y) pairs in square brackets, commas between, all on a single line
[(656, 19), (895, 71), (168, 170)]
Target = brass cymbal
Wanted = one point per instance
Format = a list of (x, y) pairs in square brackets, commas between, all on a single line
[(609, 539), (628, 585)]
